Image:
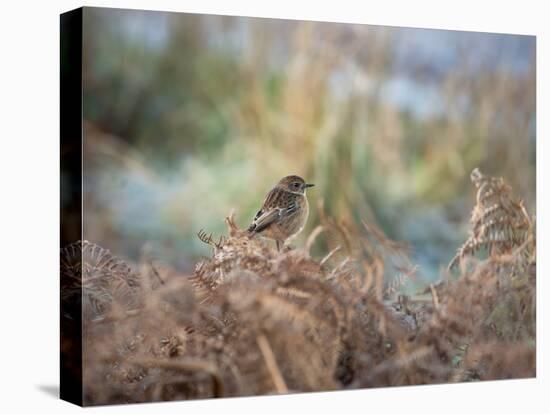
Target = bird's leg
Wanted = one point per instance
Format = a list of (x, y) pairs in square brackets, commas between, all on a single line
[(279, 243)]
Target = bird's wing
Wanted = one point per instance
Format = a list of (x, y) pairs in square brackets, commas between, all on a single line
[(266, 218)]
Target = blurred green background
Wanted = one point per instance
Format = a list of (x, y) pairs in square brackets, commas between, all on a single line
[(190, 116)]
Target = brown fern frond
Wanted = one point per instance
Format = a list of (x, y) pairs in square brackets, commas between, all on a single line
[(205, 238), (93, 276), (499, 222)]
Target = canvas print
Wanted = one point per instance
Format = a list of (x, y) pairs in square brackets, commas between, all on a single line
[(260, 206)]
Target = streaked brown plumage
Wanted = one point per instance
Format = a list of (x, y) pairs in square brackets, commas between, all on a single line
[(284, 211)]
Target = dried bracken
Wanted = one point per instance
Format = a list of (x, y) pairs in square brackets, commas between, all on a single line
[(93, 275), (253, 321), (499, 221)]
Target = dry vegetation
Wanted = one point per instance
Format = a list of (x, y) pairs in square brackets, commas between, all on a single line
[(252, 321)]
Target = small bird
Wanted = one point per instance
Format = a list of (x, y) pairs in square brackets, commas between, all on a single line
[(284, 211)]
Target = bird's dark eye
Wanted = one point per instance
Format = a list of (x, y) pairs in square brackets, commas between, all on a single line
[(296, 185)]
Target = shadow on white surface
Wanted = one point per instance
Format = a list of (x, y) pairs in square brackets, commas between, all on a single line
[(49, 389)]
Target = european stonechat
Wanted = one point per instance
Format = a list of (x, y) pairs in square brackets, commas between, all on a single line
[(284, 211)]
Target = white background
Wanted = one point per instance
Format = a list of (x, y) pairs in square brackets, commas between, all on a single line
[(29, 194)]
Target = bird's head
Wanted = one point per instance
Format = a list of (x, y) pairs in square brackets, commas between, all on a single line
[(294, 184)]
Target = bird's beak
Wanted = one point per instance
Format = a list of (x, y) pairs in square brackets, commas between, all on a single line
[(309, 185)]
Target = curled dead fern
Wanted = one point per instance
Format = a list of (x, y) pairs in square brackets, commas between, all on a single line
[(499, 221), (93, 276)]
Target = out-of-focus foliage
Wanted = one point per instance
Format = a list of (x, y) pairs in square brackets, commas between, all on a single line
[(190, 116)]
